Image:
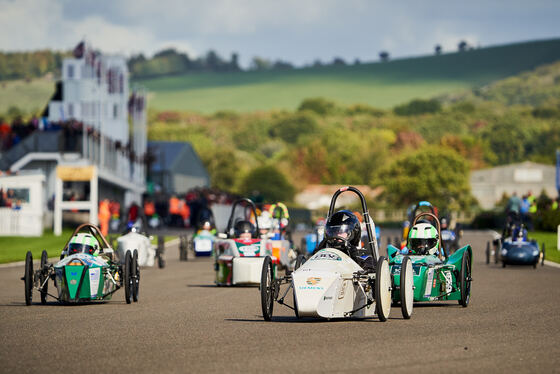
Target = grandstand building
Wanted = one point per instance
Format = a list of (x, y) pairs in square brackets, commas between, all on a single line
[(91, 143)]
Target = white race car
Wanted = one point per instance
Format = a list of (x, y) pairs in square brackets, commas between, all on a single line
[(331, 284), (238, 261), (136, 241)]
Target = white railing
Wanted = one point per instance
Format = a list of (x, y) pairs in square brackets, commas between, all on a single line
[(114, 161), (20, 223)]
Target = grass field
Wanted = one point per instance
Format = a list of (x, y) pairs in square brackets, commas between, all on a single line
[(381, 85), (550, 240), (14, 248), (33, 95)]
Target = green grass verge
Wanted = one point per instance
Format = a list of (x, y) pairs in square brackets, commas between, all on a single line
[(14, 248), (550, 240)]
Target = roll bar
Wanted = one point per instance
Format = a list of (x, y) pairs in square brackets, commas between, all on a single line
[(370, 225), (248, 204)]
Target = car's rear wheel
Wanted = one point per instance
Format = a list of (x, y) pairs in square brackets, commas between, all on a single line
[(127, 278), (135, 276), (383, 289), (44, 276), (28, 278), (487, 253), (267, 289), (407, 288), (543, 254), (465, 279)]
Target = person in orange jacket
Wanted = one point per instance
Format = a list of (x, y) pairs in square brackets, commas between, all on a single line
[(104, 216), (184, 211), (175, 211)]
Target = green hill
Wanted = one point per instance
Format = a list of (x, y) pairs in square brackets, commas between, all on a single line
[(32, 95), (381, 85)]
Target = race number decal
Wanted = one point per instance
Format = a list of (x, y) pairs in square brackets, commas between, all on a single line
[(203, 245), (448, 281), (323, 255), (94, 275), (429, 280), (249, 250)]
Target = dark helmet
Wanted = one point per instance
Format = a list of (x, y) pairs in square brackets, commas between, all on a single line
[(344, 225), (242, 227)]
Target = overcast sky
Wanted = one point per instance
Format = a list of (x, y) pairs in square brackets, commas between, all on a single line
[(298, 31)]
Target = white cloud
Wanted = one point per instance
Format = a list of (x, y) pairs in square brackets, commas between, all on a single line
[(293, 30), (40, 24)]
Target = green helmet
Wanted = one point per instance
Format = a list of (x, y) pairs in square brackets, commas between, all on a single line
[(423, 239), (83, 243)]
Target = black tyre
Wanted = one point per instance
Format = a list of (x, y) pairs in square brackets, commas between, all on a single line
[(302, 246), (407, 288), (28, 278), (160, 261), (496, 254), (267, 289), (135, 276), (300, 260), (465, 279), (487, 253), (503, 264), (127, 278), (543, 255), (383, 289), (44, 276)]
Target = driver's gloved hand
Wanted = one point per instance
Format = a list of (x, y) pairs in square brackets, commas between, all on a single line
[(366, 262)]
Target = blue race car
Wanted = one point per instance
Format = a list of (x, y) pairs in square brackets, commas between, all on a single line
[(514, 247)]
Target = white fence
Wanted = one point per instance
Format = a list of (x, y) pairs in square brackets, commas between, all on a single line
[(20, 223)]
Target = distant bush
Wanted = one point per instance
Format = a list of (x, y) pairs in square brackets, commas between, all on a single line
[(418, 106), (546, 112), (319, 105), (269, 182), (464, 107), (168, 116), (364, 109), (290, 127), (547, 220), (489, 219)]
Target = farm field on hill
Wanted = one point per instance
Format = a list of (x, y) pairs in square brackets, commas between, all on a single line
[(33, 95), (382, 85)]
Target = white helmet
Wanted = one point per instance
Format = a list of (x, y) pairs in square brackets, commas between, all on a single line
[(264, 221), (423, 239)]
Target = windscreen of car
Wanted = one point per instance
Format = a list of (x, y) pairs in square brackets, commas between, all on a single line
[(421, 246), (74, 248)]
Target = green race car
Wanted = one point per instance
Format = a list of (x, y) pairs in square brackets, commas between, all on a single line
[(436, 277), (88, 271)]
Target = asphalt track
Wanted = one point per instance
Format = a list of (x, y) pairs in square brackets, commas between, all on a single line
[(183, 323)]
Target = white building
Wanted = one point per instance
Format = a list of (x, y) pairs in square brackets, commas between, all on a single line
[(94, 91), (88, 125), (489, 185)]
